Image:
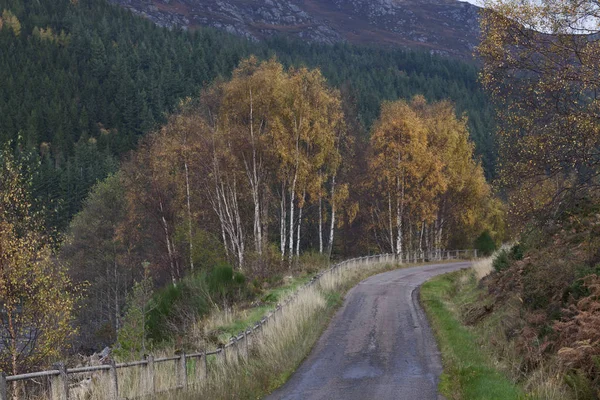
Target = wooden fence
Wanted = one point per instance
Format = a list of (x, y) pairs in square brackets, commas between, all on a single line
[(239, 345)]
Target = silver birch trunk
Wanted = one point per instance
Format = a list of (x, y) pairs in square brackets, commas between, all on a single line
[(333, 211), (320, 224), (291, 231), (254, 178), (399, 213), (292, 198), (168, 242), (299, 225), (189, 212), (283, 223), (421, 239), (390, 223)]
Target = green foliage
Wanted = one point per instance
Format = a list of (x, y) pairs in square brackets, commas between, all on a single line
[(578, 288), (501, 261), (581, 385), (224, 284), (193, 297), (517, 252), (208, 250), (484, 244), (505, 258), (131, 339)]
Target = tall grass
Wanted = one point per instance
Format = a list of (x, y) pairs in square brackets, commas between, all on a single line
[(276, 350), (492, 368), (242, 371)]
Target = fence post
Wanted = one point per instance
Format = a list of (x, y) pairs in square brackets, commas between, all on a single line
[(3, 392), (182, 371), (205, 365), (237, 347), (59, 383), (475, 253), (113, 388), (150, 375), (246, 342)]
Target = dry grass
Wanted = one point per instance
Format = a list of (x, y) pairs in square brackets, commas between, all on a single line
[(272, 353), (482, 267), (493, 334), (279, 347)]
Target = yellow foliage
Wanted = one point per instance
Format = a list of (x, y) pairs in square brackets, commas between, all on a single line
[(35, 292), (422, 166), (541, 66), (10, 21)]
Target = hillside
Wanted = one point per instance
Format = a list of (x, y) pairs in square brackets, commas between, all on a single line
[(442, 27), (85, 80)]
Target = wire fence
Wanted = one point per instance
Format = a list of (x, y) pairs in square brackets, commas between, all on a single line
[(115, 379)]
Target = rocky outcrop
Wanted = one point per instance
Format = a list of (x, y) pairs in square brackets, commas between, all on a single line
[(441, 26)]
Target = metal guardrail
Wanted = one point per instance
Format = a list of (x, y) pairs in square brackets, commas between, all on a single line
[(59, 375)]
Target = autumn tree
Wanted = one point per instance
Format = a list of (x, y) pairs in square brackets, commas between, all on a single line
[(424, 179), (407, 174), (541, 67), (467, 206), (275, 138), (152, 208), (36, 295)]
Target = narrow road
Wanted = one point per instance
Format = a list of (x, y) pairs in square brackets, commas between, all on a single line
[(378, 346)]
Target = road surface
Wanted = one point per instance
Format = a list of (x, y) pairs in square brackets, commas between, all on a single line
[(378, 345)]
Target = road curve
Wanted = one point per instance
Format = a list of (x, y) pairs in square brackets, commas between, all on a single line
[(378, 345)]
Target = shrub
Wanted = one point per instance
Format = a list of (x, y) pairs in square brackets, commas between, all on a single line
[(177, 305), (501, 261), (517, 252), (484, 244), (226, 285)]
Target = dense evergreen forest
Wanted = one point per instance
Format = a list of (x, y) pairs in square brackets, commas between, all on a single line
[(83, 80)]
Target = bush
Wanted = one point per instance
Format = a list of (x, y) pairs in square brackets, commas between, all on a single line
[(517, 252), (484, 244), (226, 285), (501, 261), (175, 306)]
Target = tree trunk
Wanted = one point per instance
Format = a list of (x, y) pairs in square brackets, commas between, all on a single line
[(283, 223), (332, 225), (168, 243), (390, 223), (300, 225), (320, 224), (254, 178), (399, 213), (189, 214), (421, 240), (116, 288), (291, 232)]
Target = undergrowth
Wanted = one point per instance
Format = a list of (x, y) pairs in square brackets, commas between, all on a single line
[(469, 373)]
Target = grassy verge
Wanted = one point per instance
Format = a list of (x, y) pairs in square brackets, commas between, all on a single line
[(281, 347), (222, 325), (469, 371)]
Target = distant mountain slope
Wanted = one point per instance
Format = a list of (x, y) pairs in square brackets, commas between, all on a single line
[(83, 80), (441, 26)]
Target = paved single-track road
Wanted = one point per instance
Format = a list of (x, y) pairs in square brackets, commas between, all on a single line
[(378, 346)]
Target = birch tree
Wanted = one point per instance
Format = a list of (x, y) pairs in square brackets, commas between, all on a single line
[(36, 295), (403, 169)]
